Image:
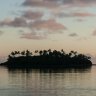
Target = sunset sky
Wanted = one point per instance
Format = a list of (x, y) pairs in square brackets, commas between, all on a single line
[(44, 24)]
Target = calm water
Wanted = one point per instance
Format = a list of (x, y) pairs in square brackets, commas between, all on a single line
[(48, 82)]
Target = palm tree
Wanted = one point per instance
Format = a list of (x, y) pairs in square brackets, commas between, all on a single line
[(55, 53), (45, 52), (62, 51), (17, 52), (36, 51), (41, 52), (28, 53), (13, 54), (9, 57), (73, 53), (23, 53), (49, 52), (70, 54), (88, 57)]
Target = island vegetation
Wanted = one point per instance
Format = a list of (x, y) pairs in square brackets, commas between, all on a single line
[(47, 59)]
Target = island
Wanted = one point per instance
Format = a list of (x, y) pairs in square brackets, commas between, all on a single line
[(47, 59)]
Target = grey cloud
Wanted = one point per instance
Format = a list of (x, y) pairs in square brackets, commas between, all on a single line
[(73, 35), (32, 15), (21, 21), (62, 15), (80, 2), (75, 14), (50, 24), (54, 3), (17, 22), (41, 3), (80, 20)]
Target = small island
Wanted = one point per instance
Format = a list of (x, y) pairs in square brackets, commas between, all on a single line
[(47, 59)]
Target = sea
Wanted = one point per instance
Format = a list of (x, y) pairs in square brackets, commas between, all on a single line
[(48, 82)]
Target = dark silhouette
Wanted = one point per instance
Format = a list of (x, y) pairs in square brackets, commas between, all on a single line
[(47, 59)]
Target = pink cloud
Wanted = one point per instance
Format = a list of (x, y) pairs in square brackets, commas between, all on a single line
[(83, 14), (49, 25), (94, 33)]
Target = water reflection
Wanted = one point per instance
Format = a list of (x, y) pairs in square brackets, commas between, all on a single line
[(32, 82), (69, 70)]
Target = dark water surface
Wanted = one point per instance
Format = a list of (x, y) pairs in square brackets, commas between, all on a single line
[(79, 82)]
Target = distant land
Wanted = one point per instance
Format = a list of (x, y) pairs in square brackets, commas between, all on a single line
[(47, 59)]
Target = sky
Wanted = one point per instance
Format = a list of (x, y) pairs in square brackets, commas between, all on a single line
[(45, 24)]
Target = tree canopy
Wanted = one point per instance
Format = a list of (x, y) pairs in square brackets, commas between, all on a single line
[(48, 59)]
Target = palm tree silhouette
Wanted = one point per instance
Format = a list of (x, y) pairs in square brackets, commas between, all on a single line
[(48, 59), (23, 53), (28, 53), (40, 52), (13, 54), (45, 53), (36, 52)]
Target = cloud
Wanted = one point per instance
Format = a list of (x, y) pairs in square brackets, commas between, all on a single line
[(81, 3), (33, 35), (21, 21), (32, 15), (80, 20), (33, 20), (5, 22), (46, 27), (94, 33), (56, 3), (62, 15), (73, 35), (41, 3), (50, 25), (41, 29), (83, 14), (17, 22), (75, 14)]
